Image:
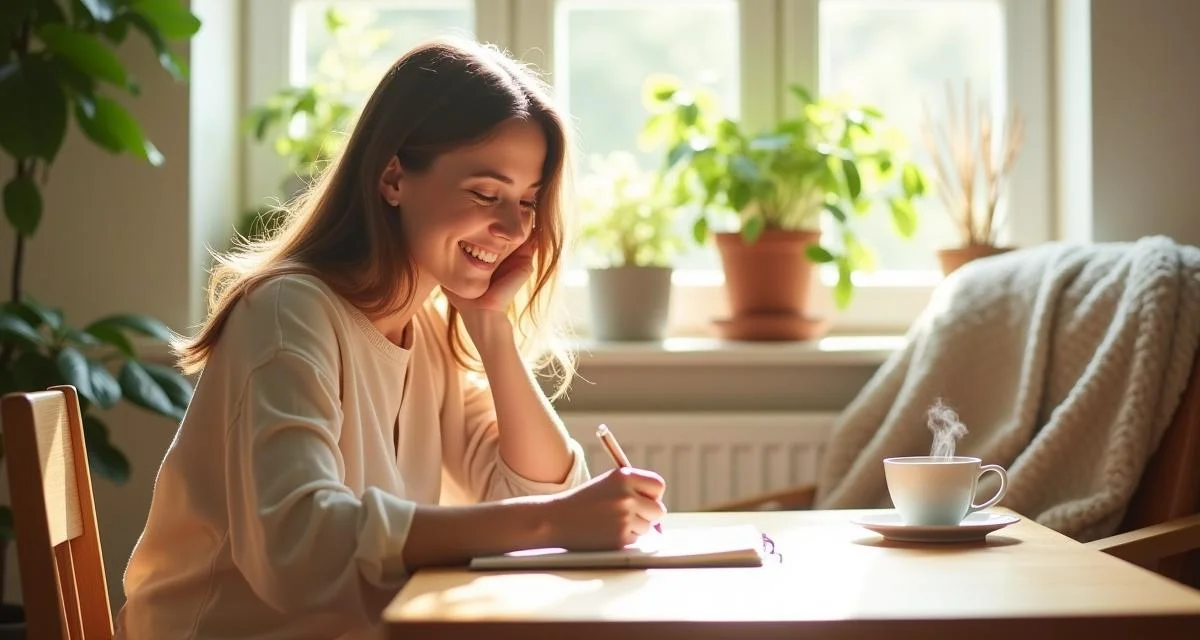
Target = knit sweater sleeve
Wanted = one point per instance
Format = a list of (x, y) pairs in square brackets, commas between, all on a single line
[(300, 537)]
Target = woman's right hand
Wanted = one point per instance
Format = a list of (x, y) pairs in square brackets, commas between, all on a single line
[(608, 512)]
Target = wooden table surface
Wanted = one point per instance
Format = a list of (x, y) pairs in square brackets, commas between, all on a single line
[(836, 580)]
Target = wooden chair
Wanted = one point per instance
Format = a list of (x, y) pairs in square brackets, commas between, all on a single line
[(63, 584), (1161, 527)]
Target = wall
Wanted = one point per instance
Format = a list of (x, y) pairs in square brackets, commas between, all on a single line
[(1139, 89)]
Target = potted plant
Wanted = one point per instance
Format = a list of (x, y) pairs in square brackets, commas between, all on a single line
[(629, 239), (973, 164), (833, 160), (56, 61), (306, 124)]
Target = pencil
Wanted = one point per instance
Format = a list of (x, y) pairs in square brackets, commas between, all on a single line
[(617, 453)]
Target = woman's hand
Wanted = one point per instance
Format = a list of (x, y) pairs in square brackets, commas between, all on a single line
[(608, 512), (508, 278)]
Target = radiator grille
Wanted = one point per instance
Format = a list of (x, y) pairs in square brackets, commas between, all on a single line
[(709, 458)]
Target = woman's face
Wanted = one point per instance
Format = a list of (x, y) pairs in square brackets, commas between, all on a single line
[(472, 208)]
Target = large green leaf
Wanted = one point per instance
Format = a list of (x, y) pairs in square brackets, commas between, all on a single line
[(166, 58), (112, 336), (48, 316), (85, 52), (144, 325), (73, 367), (80, 87), (853, 180), (23, 204), (700, 230), (103, 458), (16, 329), (752, 228), (904, 216), (23, 311), (113, 128), (178, 389), (104, 386), (80, 338), (818, 254), (170, 17), (34, 371), (912, 180), (33, 109), (140, 388)]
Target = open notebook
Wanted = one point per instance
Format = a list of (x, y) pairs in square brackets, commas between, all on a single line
[(723, 546)]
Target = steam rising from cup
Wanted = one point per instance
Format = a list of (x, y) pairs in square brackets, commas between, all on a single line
[(946, 428)]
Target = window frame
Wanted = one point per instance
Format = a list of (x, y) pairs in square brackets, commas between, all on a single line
[(779, 46)]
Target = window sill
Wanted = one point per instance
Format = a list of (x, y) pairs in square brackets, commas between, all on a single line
[(714, 352)]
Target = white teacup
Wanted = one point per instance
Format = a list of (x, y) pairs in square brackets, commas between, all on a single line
[(930, 491)]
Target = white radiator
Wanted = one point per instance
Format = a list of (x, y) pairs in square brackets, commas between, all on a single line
[(708, 458)]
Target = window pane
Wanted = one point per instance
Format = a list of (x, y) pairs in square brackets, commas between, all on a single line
[(368, 38), (896, 54), (606, 48)]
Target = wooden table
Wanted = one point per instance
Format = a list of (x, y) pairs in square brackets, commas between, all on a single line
[(836, 580)]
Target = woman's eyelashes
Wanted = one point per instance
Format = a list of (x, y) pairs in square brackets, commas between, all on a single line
[(491, 201)]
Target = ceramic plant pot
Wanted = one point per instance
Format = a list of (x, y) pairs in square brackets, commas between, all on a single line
[(767, 284), (630, 303)]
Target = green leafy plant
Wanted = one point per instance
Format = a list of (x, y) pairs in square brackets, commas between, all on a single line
[(306, 124), (627, 219), (57, 62), (831, 158)]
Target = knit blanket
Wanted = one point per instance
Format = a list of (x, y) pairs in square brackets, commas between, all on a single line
[(1065, 363)]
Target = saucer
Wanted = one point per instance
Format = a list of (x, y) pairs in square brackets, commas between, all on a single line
[(974, 527)]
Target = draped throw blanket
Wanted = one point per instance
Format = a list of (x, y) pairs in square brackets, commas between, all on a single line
[(1065, 362)]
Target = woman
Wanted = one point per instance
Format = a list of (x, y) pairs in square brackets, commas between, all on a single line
[(337, 440)]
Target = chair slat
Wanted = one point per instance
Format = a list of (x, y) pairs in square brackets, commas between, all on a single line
[(58, 469)]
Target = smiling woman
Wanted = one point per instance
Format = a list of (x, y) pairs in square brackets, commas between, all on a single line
[(337, 440)]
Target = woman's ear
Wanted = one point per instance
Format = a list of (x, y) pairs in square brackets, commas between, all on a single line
[(389, 182)]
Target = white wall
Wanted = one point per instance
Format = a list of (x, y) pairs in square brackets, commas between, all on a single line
[(1139, 89), (120, 236)]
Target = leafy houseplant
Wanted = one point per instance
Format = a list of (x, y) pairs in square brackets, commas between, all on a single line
[(628, 235), (305, 124), (832, 160), (973, 163), (57, 61)]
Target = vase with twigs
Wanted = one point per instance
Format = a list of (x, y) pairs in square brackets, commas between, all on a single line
[(973, 155)]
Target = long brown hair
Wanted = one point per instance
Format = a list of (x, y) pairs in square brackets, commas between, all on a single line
[(442, 95)]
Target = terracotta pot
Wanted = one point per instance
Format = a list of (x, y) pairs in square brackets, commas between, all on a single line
[(767, 285), (952, 259)]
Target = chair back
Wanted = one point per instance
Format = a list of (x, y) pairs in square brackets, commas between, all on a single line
[(1170, 485), (63, 585)]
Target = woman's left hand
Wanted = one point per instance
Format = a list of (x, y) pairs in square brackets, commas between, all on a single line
[(508, 278)]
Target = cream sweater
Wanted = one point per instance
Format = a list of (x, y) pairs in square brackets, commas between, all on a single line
[(282, 506)]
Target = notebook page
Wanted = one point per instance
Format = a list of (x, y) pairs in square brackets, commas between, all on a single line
[(734, 545)]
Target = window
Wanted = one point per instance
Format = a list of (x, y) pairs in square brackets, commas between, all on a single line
[(893, 54), (599, 78), (354, 45), (898, 56)]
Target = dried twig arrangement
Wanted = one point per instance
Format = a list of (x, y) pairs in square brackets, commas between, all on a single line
[(966, 151)]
